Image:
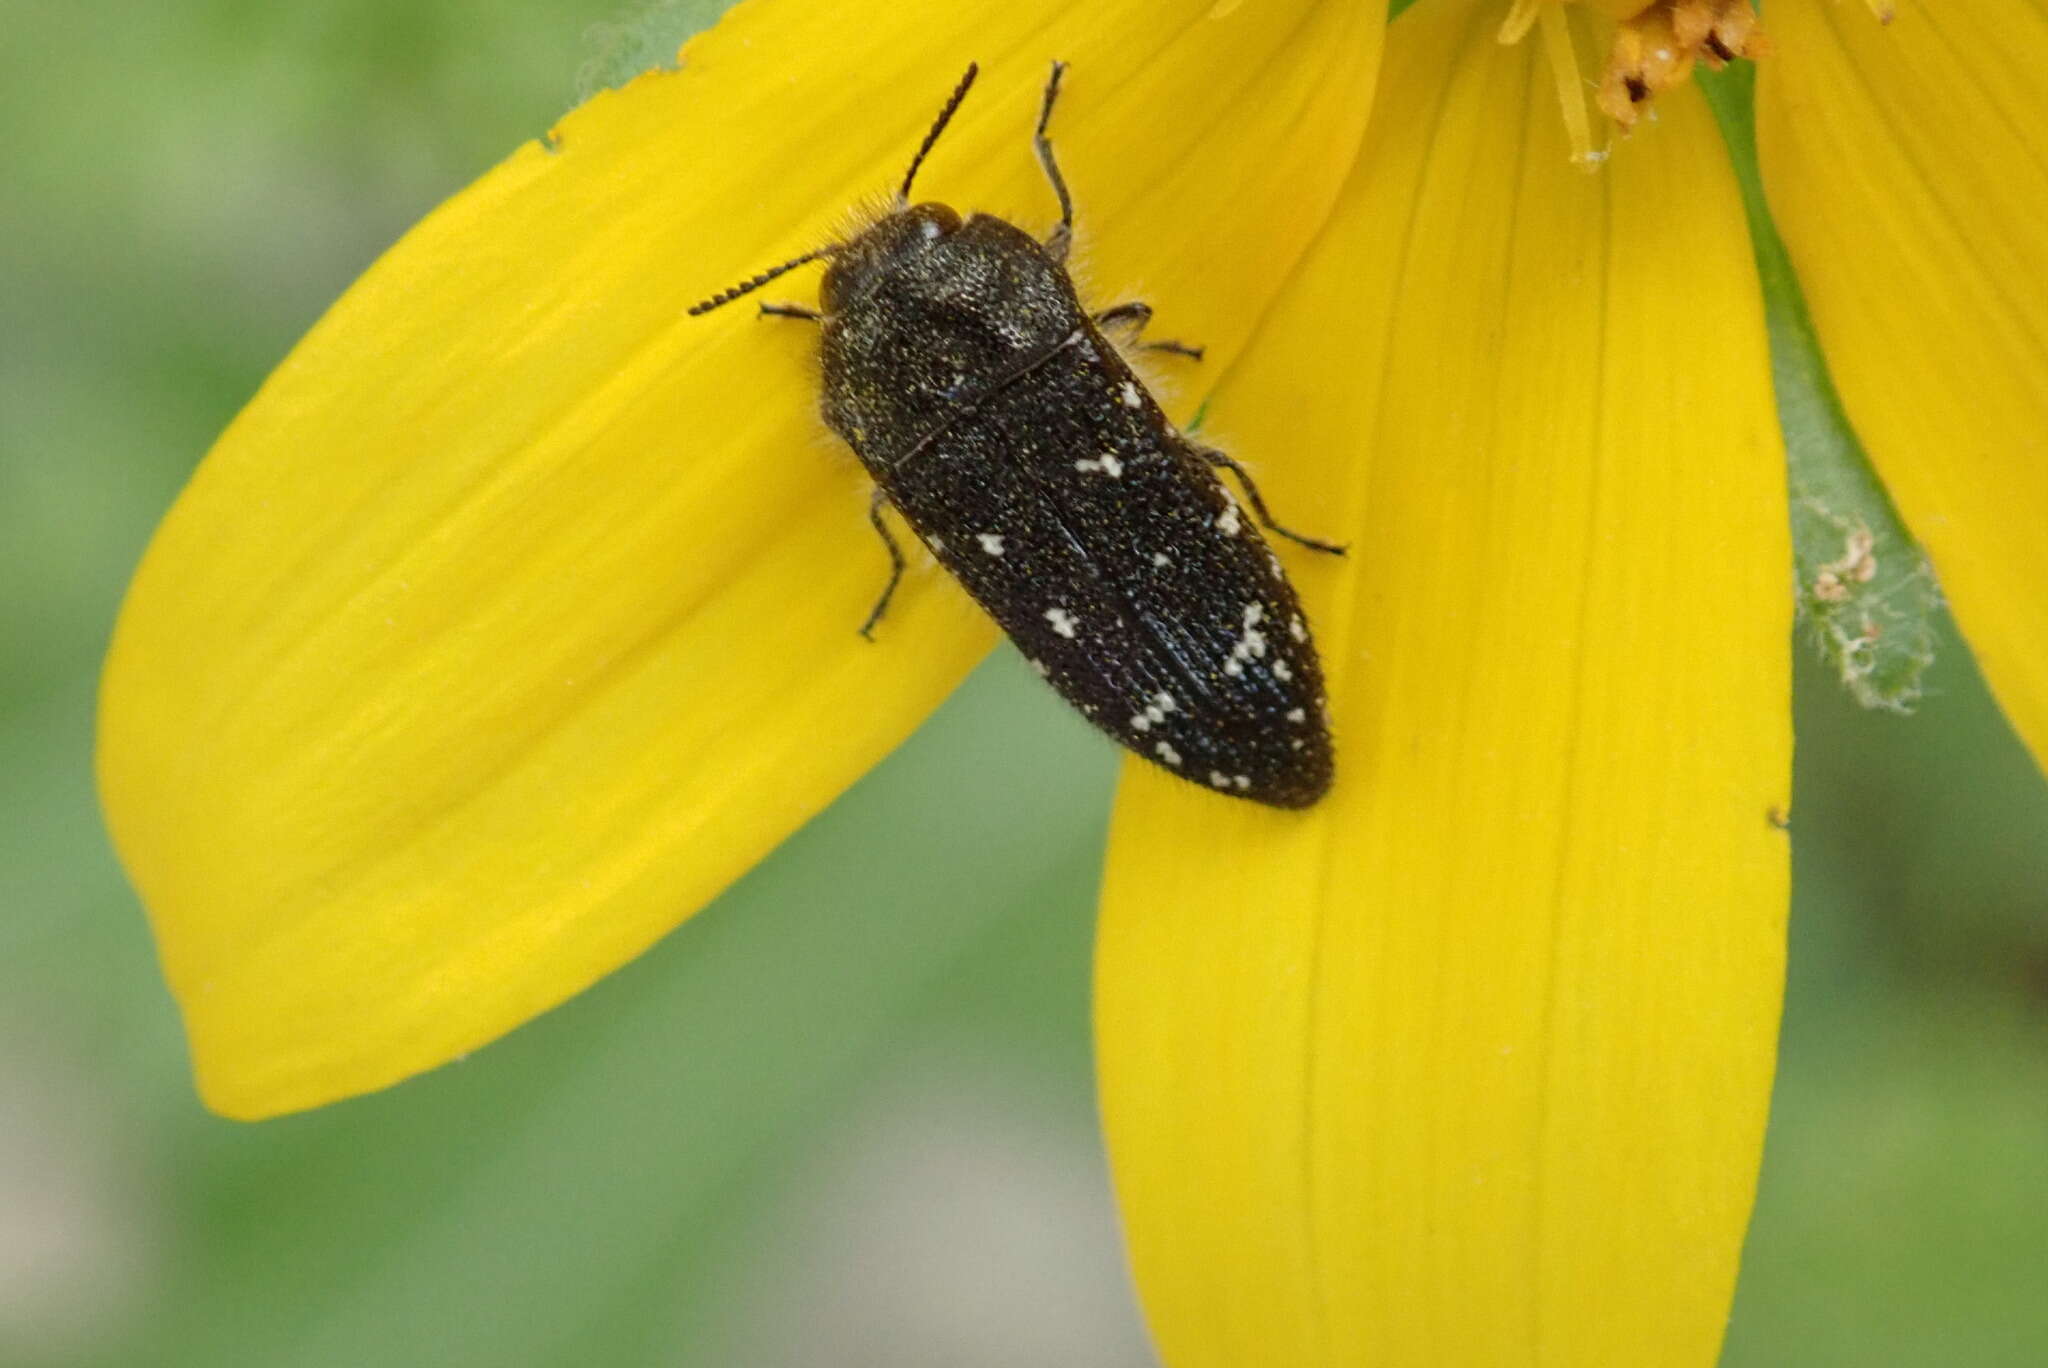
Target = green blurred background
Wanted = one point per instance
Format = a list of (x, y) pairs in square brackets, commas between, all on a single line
[(844, 1116)]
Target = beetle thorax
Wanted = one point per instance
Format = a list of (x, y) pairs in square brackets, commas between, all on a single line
[(891, 247), (923, 314)]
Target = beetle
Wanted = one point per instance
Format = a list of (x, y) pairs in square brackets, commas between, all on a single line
[(1017, 443)]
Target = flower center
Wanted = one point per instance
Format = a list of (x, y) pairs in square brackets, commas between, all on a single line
[(1653, 47)]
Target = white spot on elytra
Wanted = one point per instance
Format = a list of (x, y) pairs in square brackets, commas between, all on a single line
[(1219, 779), (1296, 628), (1107, 463), (1062, 621), (1297, 714), (1242, 781), (1162, 703), (1251, 646), (936, 543), (1281, 672), (1044, 670), (1130, 396), (991, 542), (1161, 558), (1167, 753), (1229, 521)]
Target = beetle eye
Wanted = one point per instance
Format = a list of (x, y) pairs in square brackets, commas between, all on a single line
[(934, 220)]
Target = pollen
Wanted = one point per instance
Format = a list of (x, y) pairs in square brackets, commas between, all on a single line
[(1650, 49), (1656, 50)]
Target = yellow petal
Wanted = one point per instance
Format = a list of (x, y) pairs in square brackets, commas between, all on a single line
[(1905, 169), (515, 617), (1469, 1064)]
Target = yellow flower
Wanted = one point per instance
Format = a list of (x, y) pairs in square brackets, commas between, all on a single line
[(515, 616)]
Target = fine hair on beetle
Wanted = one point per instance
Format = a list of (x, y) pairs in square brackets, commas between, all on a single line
[(1009, 433)]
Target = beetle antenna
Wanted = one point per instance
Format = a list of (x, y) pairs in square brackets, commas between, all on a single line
[(749, 286), (938, 127)]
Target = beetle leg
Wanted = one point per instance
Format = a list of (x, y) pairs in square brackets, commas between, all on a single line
[(1135, 312), (1062, 237), (1138, 313), (1223, 459), (875, 506)]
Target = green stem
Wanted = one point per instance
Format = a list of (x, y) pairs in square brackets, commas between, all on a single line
[(1867, 593)]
